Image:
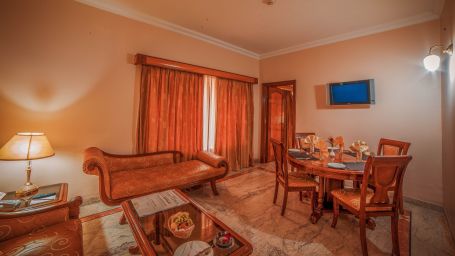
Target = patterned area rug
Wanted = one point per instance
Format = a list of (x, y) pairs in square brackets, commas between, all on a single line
[(245, 204)]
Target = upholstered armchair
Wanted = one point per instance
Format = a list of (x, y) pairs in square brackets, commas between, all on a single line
[(52, 230)]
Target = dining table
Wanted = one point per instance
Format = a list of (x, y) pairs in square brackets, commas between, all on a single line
[(330, 178)]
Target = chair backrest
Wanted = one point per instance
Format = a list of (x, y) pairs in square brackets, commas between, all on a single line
[(281, 160), (389, 147), (300, 136), (384, 173)]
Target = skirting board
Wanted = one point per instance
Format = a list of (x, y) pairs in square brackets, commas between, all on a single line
[(423, 204)]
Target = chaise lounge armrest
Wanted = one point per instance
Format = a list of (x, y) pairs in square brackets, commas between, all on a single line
[(212, 159), (94, 161)]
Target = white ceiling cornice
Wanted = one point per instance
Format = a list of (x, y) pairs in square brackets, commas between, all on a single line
[(167, 25), (439, 7), (106, 6), (359, 33)]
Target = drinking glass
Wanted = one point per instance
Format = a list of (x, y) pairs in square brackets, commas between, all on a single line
[(359, 156)]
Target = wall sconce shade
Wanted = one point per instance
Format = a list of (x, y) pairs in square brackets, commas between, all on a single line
[(26, 146), (431, 62)]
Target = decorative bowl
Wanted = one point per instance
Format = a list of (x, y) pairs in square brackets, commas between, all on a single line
[(224, 240), (180, 225)]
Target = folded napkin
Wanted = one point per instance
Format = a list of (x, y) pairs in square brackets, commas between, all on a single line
[(311, 139), (359, 146), (338, 141), (303, 144), (321, 145)]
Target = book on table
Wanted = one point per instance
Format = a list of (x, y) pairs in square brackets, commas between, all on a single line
[(9, 205), (158, 202)]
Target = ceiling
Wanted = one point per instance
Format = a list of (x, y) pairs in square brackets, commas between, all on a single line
[(259, 30)]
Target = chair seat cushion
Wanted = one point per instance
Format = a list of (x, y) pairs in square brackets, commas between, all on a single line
[(351, 198), (301, 182), (64, 238), (143, 181)]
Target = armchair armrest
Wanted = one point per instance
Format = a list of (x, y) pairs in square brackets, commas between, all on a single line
[(212, 159), (16, 224)]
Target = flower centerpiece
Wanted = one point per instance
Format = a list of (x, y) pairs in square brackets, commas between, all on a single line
[(360, 147)]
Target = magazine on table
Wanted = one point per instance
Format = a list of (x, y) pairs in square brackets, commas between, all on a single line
[(157, 202)]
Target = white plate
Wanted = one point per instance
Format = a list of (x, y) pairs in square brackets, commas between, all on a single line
[(336, 165), (192, 248), (293, 150)]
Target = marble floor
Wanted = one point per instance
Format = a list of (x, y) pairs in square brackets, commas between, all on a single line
[(245, 205)]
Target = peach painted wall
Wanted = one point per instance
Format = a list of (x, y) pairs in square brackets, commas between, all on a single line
[(448, 113), (408, 97), (65, 70)]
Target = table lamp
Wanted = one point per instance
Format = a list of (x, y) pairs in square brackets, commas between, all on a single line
[(26, 146)]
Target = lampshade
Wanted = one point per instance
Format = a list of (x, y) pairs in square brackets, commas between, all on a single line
[(26, 146), (431, 62)]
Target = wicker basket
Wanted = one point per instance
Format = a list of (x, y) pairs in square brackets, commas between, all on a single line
[(182, 233)]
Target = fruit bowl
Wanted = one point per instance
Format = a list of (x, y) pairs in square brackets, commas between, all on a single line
[(181, 225)]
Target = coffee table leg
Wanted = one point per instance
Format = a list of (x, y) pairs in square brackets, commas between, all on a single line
[(157, 228), (317, 214)]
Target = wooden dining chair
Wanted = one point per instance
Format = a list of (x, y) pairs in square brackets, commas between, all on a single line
[(290, 183), (384, 173), (388, 147)]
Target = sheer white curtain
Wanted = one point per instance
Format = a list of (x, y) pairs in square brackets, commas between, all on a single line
[(209, 115)]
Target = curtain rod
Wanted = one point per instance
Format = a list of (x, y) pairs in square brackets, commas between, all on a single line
[(141, 59)]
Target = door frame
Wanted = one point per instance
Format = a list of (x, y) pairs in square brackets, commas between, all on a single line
[(265, 114)]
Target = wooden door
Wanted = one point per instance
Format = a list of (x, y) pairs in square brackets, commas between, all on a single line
[(278, 116)]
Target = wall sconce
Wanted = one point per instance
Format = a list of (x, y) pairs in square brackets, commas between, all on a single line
[(432, 61)]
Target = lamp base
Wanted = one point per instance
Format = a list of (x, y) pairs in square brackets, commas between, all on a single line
[(27, 189)]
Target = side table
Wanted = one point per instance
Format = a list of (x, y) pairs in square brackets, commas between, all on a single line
[(60, 190)]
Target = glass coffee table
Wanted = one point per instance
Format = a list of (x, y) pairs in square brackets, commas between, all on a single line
[(151, 229)]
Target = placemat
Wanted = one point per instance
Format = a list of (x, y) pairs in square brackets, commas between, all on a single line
[(356, 166), (302, 156)]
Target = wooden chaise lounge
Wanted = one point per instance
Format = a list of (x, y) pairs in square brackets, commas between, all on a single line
[(123, 177)]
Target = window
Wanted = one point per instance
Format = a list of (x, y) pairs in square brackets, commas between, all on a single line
[(209, 115)]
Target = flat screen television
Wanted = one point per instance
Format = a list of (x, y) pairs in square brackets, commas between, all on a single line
[(354, 92)]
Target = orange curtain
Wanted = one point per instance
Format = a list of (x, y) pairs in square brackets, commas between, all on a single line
[(234, 122), (170, 111)]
